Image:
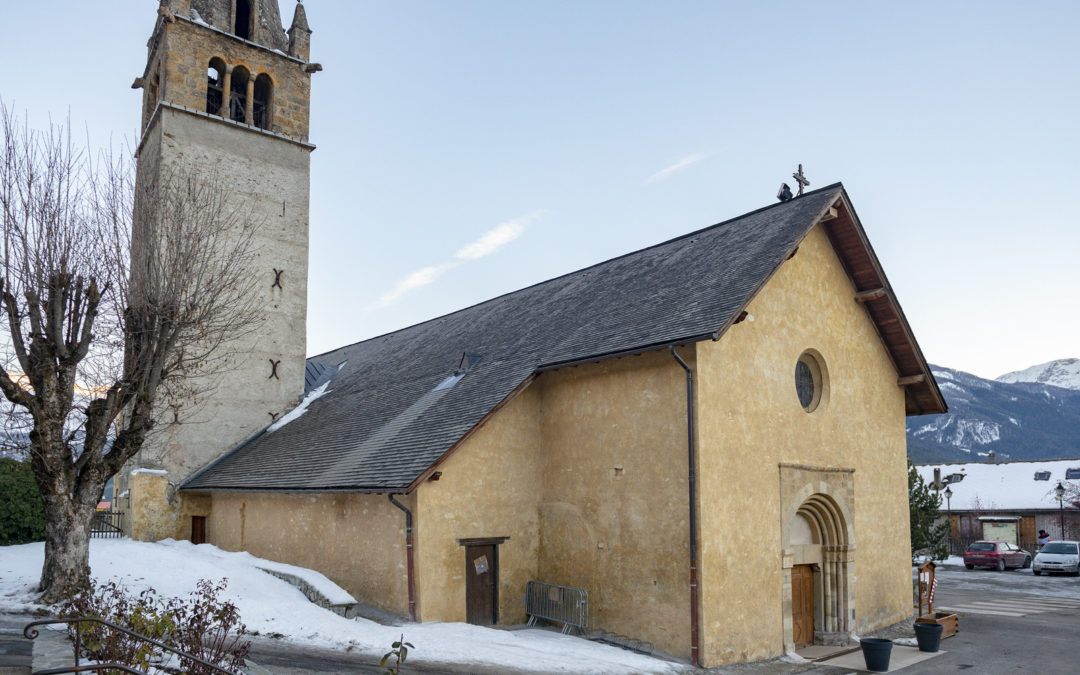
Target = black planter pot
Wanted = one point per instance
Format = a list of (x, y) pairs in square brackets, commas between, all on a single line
[(876, 653), (928, 636)]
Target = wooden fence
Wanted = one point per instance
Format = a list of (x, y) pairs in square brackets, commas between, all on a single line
[(107, 524)]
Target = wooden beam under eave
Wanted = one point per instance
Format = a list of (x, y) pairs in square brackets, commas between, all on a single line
[(830, 214), (911, 379), (867, 296)]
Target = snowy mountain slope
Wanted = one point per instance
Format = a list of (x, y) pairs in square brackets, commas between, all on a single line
[(1015, 420), (1063, 373)]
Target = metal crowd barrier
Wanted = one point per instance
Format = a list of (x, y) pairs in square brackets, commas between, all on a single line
[(563, 604)]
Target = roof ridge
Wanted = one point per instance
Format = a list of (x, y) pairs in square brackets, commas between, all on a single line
[(833, 186), (1000, 462)]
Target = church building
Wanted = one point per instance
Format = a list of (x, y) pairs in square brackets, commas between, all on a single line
[(704, 438)]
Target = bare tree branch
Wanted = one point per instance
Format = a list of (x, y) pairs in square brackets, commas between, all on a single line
[(115, 293)]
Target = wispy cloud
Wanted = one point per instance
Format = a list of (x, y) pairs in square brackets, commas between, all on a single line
[(494, 239), (488, 243), (666, 172), (418, 279)]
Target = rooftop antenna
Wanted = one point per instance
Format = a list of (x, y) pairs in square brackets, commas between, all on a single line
[(785, 193), (801, 180)]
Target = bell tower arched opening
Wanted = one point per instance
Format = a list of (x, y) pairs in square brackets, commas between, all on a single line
[(260, 107), (238, 95), (215, 82)]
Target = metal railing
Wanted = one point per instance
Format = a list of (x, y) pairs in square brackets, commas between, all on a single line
[(107, 524), (30, 632), (564, 604)]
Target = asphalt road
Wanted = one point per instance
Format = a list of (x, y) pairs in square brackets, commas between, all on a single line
[(14, 648), (1007, 633)]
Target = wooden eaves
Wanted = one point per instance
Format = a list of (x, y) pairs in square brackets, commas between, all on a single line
[(872, 290)]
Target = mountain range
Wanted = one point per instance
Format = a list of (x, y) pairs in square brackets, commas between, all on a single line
[(1024, 415)]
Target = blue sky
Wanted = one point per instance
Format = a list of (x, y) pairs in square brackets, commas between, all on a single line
[(467, 149)]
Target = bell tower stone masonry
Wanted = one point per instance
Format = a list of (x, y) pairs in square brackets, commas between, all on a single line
[(227, 88)]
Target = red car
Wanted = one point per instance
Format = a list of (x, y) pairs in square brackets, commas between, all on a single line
[(996, 554)]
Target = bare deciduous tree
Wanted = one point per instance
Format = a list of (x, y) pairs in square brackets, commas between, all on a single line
[(98, 324)]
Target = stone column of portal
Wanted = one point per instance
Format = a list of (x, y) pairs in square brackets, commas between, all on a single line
[(226, 89), (249, 114), (826, 588)]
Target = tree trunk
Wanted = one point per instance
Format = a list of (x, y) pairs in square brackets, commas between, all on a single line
[(67, 548)]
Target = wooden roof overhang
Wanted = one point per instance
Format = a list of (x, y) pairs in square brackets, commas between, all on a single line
[(872, 290)]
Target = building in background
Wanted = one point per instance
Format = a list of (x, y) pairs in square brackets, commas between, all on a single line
[(1010, 501)]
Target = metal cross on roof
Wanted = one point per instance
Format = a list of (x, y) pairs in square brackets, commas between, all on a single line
[(801, 180)]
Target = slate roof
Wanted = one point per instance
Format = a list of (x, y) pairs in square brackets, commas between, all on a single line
[(383, 422)]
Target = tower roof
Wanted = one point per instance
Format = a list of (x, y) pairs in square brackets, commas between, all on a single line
[(261, 25)]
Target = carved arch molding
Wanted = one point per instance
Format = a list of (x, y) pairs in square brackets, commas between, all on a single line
[(823, 498)]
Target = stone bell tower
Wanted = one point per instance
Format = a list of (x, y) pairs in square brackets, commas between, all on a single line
[(227, 88)]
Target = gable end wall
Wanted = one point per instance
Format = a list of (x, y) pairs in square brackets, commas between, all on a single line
[(750, 422)]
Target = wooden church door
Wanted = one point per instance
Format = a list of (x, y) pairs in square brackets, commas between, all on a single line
[(802, 605)]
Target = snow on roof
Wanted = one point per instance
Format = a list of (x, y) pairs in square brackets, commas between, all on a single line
[(1009, 485)]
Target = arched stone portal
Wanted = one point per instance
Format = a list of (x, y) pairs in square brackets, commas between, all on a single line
[(817, 535)]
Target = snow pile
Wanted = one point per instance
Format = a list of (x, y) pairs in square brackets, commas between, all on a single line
[(1064, 373), (334, 594), (1010, 485), (269, 605), (300, 409)]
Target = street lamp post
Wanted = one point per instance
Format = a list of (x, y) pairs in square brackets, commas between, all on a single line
[(948, 506), (1060, 492)]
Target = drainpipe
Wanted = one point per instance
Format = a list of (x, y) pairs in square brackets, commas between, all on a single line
[(408, 554), (693, 507)]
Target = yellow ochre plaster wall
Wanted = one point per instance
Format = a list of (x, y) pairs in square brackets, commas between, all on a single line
[(615, 519), (491, 488), (585, 471), (357, 540), (750, 421)]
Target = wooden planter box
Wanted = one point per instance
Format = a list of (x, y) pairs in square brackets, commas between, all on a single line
[(946, 619)]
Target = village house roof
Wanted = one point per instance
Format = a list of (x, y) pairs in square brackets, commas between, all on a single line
[(405, 400), (1004, 486)]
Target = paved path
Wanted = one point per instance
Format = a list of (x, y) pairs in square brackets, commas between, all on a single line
[(14, 648)]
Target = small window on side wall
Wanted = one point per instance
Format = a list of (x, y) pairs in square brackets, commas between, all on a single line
[(215, 78)]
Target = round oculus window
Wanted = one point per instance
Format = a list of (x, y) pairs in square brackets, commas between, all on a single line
[(808, 381)]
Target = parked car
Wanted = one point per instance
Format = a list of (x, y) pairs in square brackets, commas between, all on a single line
[(1058, 556), (996, 554)]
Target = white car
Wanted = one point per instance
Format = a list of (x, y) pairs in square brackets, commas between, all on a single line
[(1058, 556)]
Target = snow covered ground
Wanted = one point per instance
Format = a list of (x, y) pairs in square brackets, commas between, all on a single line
[(269, 605)]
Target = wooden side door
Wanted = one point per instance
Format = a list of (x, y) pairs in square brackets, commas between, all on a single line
[(802, 605), (198, 529), (481, 584), (1028, 534)]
